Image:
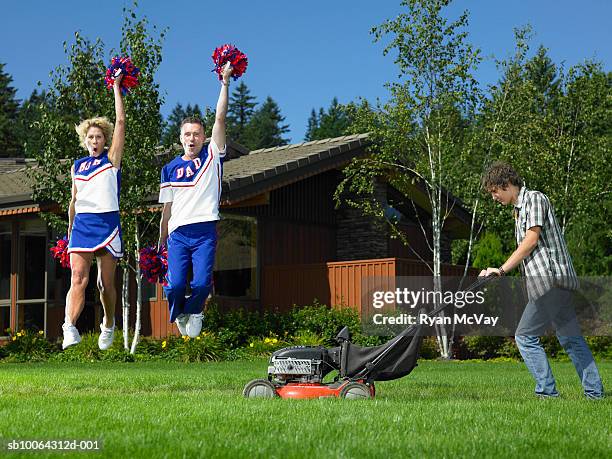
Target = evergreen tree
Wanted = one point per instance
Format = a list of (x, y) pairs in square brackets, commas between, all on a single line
[(266, 127), (30, 114), (542, 72), (172, 126), (313, 126), (240, 111), (9, 108), (333, 123)]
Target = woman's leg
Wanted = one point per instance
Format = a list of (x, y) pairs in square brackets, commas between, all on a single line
[(107, 266), (80, 263)]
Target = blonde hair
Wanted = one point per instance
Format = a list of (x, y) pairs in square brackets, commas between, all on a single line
[(99, 122)]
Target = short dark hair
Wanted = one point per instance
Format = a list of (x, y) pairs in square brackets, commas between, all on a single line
[(500, 175), (193, 120)]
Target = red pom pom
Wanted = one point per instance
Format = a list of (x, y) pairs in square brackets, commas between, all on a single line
[(60, 252), (154, 264), (231, 54), (128, 70)]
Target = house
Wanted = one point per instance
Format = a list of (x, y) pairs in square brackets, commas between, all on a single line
[(282, 241)]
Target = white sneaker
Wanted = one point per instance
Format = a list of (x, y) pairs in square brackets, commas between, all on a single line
[(181, 323), (194, 325), (71, 335), (105, 340)]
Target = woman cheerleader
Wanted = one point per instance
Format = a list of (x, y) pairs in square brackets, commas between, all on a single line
[(93, 219)]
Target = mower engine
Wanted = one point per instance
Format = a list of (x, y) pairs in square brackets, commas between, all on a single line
[(303, 364)]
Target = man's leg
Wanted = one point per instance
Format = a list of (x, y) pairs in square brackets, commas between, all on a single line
[(535, 359), (203, 261), (582, 358), (179, 259), (533, 320), (570, 337)]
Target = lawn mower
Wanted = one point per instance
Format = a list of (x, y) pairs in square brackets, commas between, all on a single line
[(298, 371)]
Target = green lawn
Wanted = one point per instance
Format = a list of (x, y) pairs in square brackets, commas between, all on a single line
[(197, 410)]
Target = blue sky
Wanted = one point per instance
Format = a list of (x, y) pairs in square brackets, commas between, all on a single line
[(300, 53)]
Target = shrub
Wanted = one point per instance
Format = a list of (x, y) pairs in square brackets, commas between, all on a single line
[(307, 338), (203, 348), (509, 350), (88, 351), (429, 348), (263, 347), (483, 347), (601, 346), (236, 327), (325, 321), (369, 340), (26, 346)]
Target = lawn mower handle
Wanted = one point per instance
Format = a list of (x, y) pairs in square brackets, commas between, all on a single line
[(371, 366)]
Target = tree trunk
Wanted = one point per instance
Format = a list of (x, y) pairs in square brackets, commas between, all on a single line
[(126, 306), (138, 324), (441, 336)]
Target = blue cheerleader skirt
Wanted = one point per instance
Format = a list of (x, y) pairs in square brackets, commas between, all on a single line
[(92, 232)]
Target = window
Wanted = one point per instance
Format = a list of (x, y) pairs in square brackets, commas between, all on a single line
[(5, 318), (32, 258), (235, 272), (5, 262), (32, 316)]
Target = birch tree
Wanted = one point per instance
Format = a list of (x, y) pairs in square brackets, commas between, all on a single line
[(418, 135)]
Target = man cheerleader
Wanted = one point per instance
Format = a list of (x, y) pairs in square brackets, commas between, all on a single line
[(190, 191)]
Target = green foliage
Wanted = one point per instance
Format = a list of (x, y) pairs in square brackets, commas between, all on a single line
[(420, 142), (429, 348), (307, 338), (235, 328), (29, 122), (601, 346), (26, 346), (75, 93), (266, 128), (31, 346), (88, 351), (488, 251), (333, 123), (484, 347), (553, 125), (263, 347), (140, 168), (205, 347), (10, 145), (241, 109), (325, 321)]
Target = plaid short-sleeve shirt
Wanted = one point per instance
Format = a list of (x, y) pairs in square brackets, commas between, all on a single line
[(549, 264)]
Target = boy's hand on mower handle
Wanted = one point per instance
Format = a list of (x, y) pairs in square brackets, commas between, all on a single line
[(490, 272)]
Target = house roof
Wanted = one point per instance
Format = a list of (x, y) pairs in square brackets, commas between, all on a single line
[(270, 168), (245, 175)]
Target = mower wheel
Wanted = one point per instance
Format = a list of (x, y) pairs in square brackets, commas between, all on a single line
[(355, 390), (259, 388)]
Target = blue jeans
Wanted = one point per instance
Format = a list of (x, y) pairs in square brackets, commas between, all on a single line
[(556, 308), (190, 246)]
